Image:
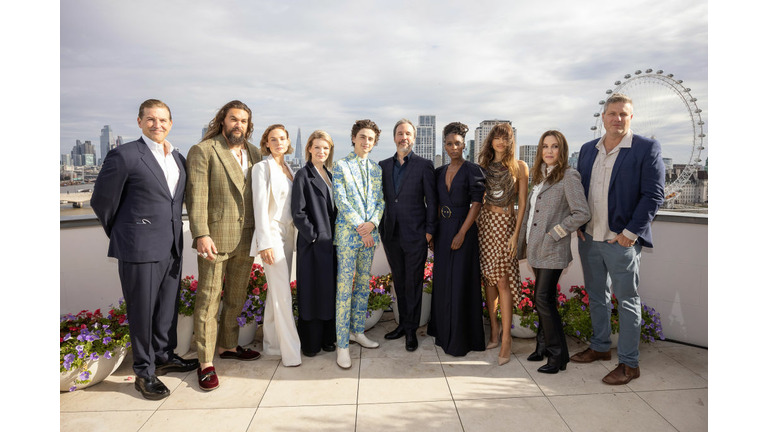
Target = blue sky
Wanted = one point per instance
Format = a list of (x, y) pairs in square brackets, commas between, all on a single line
[(323, 65)]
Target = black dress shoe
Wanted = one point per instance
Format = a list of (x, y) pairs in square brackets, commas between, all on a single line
[(151, 388), (329, 348), (395, 334), (552, 369), (307, 354), (536, 357), (176, 364), (411, 343)]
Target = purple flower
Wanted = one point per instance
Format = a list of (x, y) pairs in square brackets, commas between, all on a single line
[(106, 340), (67, 337), (93, 356), (84, 376), (107, 355), (583, 307), (241, 321), (73, 388), (127, 344), (578, 333), (79, 348)]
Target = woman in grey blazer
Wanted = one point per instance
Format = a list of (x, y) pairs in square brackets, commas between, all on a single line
[(556, 208)]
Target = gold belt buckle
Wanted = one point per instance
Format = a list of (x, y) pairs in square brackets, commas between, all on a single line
[(445, 212)]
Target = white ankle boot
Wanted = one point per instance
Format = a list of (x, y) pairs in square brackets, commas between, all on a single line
[(361, 339), (343, 359)]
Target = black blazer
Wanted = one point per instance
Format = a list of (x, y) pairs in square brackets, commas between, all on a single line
[(134, 205), (414, 209), (314, 215)]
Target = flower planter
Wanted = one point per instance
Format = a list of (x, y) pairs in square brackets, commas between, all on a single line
[(614, 340), (184, 329), (247, 333), (426, 307), (100, 369), (519, 331), (373, 319)]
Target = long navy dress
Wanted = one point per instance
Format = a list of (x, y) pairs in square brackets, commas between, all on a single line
[(457, 305)]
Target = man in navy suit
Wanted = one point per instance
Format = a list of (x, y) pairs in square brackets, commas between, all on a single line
[(623, 178), (407, 227), (138, 197)]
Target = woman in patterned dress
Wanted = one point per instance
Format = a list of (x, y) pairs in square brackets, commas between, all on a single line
[(499, 228)]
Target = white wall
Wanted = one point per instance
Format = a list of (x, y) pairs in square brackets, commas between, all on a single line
[(673, 275)]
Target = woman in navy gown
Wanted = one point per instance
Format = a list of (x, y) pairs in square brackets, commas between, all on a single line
[(457, 304)]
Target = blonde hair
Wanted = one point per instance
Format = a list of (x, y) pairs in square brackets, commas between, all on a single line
[(323, 135)]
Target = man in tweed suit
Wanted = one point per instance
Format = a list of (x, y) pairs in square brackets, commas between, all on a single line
[(220, 207), (623, 178)]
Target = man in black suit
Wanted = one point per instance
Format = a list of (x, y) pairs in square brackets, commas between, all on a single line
[(410, 215), (138, 197)]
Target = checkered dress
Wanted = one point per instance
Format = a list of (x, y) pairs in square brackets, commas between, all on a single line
[(494, 232)]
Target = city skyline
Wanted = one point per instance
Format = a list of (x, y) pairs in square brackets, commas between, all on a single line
[(541, 67)]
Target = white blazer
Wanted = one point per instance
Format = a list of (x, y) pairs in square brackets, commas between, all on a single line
[(264, 205)]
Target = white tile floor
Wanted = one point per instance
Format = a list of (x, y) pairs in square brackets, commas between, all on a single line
[(393, 390)]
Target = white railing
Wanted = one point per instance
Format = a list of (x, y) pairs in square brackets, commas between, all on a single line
[(673, 277)]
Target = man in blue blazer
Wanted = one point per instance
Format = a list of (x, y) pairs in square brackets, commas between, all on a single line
[(410, 216), (138, 197), (623, 178)]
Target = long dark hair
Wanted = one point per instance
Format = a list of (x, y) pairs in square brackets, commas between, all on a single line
[(215, 127), (562, 159), (505, 132)]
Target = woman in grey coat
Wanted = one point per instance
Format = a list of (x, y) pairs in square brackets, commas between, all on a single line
[(556, 208)]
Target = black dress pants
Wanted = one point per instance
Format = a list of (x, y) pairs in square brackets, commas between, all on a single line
[(550, 337), (151, 291), (406, 259)]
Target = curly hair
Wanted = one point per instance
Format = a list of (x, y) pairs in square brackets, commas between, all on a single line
[(216, 126), (562, 159), (265, 151), (457, 128), (504, 132), (325, 136), (365, 124)]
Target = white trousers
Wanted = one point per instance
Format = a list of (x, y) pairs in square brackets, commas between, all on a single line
[(280, 335)]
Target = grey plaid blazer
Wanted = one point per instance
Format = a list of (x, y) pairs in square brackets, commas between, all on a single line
[(561, 208)]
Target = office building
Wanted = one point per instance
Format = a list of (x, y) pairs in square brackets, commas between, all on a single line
[(425, 137), (107, 141)]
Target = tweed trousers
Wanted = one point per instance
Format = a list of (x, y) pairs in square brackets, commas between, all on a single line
[(236, 267)]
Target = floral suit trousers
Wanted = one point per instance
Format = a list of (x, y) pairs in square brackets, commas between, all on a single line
[(352, 290)]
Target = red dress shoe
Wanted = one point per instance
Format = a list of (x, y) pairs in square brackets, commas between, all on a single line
[(207, 379), (244, 354)]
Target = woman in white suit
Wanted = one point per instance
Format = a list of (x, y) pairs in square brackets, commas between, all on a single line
[(273, 241), (556, 208)]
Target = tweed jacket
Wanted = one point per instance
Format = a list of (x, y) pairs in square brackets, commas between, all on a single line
[(561, 208), (353, 205), (219, 201), (263, 177)]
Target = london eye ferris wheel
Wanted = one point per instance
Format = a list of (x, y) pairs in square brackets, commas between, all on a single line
[(664, 109)]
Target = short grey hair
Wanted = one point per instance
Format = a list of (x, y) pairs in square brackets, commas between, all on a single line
[(402, 121), (621, 98)]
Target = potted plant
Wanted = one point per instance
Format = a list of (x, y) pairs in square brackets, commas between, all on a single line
[(426, 293), (578, 323), (185, 325), (253, 308), (525, 318), (378, 299), (92, 346)]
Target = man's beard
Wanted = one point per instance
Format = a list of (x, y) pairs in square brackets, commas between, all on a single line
[(233, 139)]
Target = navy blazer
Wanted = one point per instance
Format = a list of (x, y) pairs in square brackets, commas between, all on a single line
[(134, 205), (312, 207), (414, 209), (636, 189)]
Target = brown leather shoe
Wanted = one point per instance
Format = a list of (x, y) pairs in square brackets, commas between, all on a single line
[(589, 355), (622, 375)]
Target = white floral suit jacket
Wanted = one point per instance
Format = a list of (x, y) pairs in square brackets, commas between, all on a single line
[(355, 206)]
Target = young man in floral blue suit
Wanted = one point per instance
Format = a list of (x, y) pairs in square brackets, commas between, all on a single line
[(359, 198)]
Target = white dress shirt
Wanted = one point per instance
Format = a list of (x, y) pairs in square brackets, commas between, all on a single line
[(599, 183), (167, 162)]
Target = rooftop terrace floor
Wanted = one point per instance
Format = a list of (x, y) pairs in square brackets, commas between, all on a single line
[(394, 390)]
